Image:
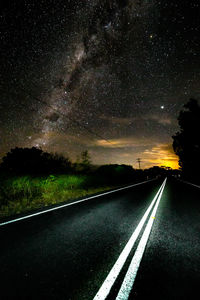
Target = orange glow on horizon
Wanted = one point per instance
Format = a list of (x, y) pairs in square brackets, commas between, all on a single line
[(161, 155), (173, 164), (169, 163), (154, 154)]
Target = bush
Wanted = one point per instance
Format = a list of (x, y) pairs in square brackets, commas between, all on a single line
[(19, 194), (34, 161)]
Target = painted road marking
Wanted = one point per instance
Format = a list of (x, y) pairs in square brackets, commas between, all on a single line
[(130, 276), (190, 183), (114, 272), (73, 203)]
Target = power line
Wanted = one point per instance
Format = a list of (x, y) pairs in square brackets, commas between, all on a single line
[(64, 115)]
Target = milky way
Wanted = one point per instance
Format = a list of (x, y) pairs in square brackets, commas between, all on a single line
[(107, 76)]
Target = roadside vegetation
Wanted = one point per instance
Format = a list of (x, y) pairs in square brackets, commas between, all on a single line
[(31, 179), (23, 193), (186, 142)]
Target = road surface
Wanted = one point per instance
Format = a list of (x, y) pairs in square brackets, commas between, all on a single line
[(69, 253)]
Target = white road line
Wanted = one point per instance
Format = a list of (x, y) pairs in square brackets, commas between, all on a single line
[(189, 183), (72, 203), (135, 263), (114, 272)]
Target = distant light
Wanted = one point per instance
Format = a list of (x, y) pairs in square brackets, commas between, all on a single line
[(162, 107), (151, 36)]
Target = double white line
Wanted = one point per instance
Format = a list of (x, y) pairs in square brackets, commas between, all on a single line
[(134, 265)]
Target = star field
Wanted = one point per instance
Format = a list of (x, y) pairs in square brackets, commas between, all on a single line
[(107, 76)]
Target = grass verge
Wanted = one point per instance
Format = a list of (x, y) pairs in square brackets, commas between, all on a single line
[(23, 194)]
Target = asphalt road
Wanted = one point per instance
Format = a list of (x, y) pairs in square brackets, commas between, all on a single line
[(68, 253)]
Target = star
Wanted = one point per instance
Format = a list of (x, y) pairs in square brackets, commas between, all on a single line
[(110, 70)]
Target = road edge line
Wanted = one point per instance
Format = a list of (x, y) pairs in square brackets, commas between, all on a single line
[(189, 183), (70, 204)]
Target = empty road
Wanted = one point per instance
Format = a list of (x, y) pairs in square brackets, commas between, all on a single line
[(137, 243)]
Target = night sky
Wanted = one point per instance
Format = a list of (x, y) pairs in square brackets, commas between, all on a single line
[(108, 76)]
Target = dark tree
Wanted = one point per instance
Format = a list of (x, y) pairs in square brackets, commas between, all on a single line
[(85, 158), (186, 142), (114, 173), (83, 163), (34, 161)]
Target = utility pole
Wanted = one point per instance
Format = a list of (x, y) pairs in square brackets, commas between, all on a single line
[(139, 161)]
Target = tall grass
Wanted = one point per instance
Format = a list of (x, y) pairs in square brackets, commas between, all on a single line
[(20, 194)]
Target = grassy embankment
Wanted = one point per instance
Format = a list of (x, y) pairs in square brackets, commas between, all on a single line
[(25, 193)]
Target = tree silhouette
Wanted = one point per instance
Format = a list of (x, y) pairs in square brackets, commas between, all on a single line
[(83, 163), (85, 158), (186, 142), (115, 173), (34, 161)]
